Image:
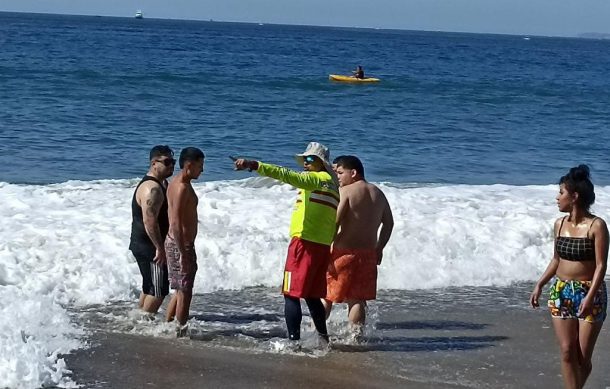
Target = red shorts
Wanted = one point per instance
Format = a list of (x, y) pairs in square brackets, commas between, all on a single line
[(305, 270)]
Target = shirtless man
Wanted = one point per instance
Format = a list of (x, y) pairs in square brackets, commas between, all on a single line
[(149, 227), (180, 241), (358, 246)]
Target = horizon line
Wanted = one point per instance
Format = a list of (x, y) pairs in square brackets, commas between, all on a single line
[(581, 35)]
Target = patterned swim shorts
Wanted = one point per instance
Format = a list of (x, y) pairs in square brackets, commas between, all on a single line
[(566, 296), (180, 279)]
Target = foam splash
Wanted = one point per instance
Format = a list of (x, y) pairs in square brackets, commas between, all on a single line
[(34, 331), (62, 239)]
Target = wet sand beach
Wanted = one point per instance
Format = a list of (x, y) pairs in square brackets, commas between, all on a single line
[(483, 338), (131, 361)]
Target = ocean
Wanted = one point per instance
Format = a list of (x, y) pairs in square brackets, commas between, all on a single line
[(467, 134)]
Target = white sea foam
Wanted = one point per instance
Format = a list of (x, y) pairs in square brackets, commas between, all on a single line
[(67, 244), (34, 330)]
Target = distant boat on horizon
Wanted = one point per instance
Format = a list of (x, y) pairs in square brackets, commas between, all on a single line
[(139, 14)]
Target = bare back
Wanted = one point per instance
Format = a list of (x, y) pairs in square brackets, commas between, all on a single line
[(362, 209), (182, 208)]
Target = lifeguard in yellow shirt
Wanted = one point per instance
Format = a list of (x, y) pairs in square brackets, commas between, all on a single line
[(312, 230)]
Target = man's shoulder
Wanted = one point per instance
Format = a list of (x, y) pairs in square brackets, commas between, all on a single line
[(377, 194), (326, 181), (360, 186), (374, 188), (176, 186), (321, 173), (146, 186), (363, 189), (367, 186)]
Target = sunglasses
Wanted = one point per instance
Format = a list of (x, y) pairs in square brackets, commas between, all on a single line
[(167, 162), (309, 159)]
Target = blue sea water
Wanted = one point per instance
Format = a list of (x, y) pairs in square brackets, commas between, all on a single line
[(86, 97)]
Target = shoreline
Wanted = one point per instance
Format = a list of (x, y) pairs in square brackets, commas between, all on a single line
[(480, 338), (125, 361)]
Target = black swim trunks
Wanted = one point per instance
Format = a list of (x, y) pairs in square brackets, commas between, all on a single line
[(155, 281)]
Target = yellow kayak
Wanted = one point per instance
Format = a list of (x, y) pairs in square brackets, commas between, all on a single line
[(338, 77)]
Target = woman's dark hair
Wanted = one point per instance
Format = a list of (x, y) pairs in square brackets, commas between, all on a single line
[(578, 180)]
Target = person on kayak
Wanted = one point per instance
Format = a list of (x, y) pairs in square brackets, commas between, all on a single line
[(359, 72)]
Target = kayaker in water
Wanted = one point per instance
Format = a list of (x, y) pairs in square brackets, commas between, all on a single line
[(359, 72)]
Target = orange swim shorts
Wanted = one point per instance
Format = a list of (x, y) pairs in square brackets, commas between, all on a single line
[(352, 275)]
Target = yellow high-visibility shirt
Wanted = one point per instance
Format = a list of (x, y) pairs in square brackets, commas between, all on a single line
[(315, 211)]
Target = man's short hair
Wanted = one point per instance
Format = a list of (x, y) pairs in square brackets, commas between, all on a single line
[(337, 159), (160, 151), (190, 154), (350, 162)]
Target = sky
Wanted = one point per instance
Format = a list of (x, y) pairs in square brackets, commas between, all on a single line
[(526, 17)]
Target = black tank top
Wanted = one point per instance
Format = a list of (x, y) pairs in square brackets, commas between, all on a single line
[(140, 242)]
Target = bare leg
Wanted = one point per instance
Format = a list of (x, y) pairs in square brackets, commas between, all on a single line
[(152, 304), (141, 300), (170, 313), (587, 336), (566, 331), (328, 306), (357, 312), (183, 303)]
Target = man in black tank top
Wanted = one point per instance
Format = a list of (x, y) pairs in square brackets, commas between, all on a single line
[(149, 228)]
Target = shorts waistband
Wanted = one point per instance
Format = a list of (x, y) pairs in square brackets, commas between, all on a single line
[(567, 281), (360, 251)]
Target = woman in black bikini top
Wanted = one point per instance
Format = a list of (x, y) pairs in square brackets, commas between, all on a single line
[(578, 297), (575, 249)]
